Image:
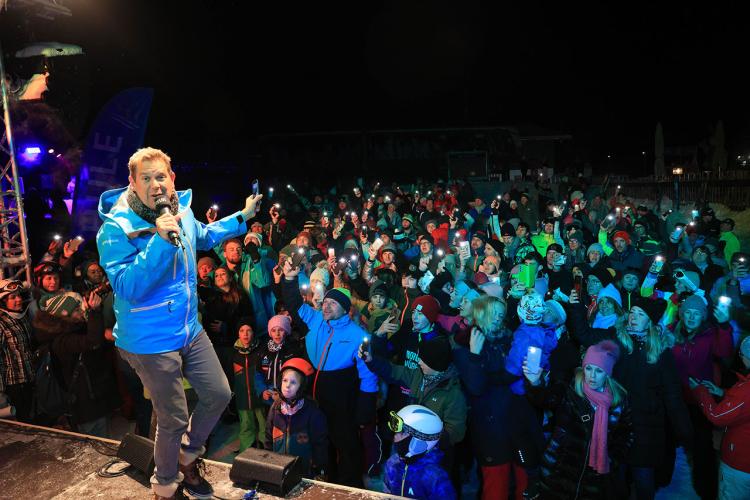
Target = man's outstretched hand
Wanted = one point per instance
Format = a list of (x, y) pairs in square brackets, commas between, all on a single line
[(251, 205)]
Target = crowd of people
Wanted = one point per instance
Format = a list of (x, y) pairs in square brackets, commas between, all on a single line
[(565, 345)]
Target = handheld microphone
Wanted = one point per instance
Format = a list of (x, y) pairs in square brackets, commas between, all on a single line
[(164, 207)]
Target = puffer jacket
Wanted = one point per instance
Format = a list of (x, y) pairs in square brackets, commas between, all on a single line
[(154, 282), (525, 336), (423, 478), (565, 470)]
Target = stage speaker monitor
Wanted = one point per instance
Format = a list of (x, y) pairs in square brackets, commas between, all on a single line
[(275, 473), (138, 451)]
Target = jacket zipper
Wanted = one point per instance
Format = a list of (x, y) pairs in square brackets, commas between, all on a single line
[(187, 288), (403, 478), (247, 381), (288, 425), (583, 470), (154, 306)]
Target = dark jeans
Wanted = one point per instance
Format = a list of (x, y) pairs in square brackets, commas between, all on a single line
[(705, 462), (21, 396), (643, 481)]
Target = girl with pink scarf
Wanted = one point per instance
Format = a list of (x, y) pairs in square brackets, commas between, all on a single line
[(592, 433)]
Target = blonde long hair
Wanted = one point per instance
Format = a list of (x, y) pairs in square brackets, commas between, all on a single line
[(484, 310), (618, 392), (656, 343)]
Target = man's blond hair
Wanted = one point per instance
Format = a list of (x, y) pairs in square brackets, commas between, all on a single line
[(148, 154)]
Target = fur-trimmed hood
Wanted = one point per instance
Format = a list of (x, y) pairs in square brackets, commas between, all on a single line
[(47, 327)]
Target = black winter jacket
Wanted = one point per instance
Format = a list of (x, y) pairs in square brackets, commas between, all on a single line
[(487, 386), (95, 388), (654, 392), (565, 471)]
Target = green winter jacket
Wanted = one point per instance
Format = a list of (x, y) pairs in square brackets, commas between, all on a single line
[(446, 398)]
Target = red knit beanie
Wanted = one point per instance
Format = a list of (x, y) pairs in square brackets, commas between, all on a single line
[(622, 234), (427, 305)]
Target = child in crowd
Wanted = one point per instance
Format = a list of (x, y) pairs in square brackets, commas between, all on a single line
[(245, 400), (295, 425), (526, 429), (414, 470)]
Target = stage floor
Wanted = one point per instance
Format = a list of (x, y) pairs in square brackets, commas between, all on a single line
[(46, 463)]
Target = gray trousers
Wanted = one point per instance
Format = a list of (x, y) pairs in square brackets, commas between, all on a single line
[(180, 436)]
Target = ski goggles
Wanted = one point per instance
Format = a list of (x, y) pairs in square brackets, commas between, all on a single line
[(396, 424), (10, 286)]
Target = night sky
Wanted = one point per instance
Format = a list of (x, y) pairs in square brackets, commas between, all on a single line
[(225, 72)]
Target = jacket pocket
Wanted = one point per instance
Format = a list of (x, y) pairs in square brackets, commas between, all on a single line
[(167, 303)]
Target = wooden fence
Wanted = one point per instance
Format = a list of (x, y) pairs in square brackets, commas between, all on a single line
[(732, 190)]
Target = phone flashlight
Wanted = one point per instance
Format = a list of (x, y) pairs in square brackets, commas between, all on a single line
[(57, 237), (79, 237), (659, 258), (277, 205), (214, 207), (440, 252), (725, 301)]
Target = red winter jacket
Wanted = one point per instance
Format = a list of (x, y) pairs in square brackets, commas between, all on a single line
[(733, 412)]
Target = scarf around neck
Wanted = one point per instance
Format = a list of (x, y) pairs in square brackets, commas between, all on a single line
[(290, 409), (273, 346), (598, 455), (147, 214), (604, 322)]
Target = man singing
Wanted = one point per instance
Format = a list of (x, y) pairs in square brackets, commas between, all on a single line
[(149, 254)]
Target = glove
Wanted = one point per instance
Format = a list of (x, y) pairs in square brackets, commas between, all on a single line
[(253, 251), (560, 296), (366, 407)]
